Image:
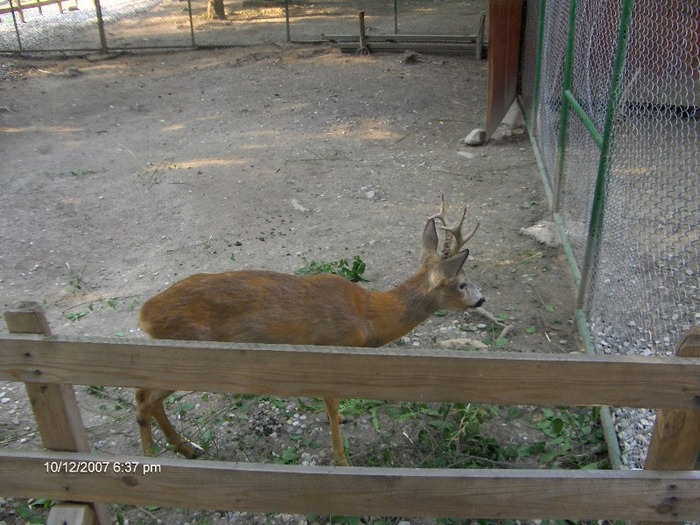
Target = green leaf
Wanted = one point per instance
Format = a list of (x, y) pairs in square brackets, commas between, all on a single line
[(183, 408), (76, 316), (290, 456), (530, 330)]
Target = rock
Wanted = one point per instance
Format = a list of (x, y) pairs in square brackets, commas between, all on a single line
[(544, 232), (298, 207), (456, 344), (411, 57), (477, 137)]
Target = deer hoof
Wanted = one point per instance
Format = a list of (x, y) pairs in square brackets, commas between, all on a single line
[(189, 450)]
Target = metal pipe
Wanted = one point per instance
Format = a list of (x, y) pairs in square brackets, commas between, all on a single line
[(566, 86), (101, 27), (286, 20), (189, 12), (396, 17), (599, 196), (585, 119), (14, 21), (538, 65)]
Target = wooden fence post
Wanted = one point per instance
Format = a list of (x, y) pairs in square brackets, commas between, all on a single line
[(55, 408), (675, 441)]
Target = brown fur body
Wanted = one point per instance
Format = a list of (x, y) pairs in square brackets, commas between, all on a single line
[(257, 306)]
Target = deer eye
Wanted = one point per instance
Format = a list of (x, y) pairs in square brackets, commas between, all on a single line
[(462, 286)]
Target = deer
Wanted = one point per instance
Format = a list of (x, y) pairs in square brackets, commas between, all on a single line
[(261, 306)]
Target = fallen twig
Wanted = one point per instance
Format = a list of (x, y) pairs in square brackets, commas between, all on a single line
[(489, 316)]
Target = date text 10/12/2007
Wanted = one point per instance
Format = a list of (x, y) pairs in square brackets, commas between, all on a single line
[(101, 467)]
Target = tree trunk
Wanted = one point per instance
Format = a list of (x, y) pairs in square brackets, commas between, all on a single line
[(215, 10)]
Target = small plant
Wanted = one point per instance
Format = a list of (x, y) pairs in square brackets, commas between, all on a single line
[(354, 273), (32, 511), (77, 316), (574, 439), (290, 456)]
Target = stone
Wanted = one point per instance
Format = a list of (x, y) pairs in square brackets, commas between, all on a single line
[(477, 137)]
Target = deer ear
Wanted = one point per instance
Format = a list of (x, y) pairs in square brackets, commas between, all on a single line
[(430, 238), (430, 242), (451, 266)]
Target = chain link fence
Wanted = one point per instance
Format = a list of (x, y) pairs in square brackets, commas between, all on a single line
[(611, 91), (79, 25)]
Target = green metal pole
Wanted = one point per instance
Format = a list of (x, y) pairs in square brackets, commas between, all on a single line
[(564, 121), (538, 65), (286, 20), (396, 17), (599, 197), (585, 119), (101, 27), (189, 13)]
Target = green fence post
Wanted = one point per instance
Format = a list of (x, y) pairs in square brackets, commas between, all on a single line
[(101, 27), (189, 13), (566, 86), (14, 21), (286, 20), (595, 226), (538, 65), (396, 17)]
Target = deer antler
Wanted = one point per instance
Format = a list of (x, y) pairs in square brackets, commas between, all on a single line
[(456, 231)]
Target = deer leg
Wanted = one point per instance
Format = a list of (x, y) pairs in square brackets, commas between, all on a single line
[(149, 405), (335, 418), (144, 417)]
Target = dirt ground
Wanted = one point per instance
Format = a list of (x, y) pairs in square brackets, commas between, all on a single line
[(122, 176)]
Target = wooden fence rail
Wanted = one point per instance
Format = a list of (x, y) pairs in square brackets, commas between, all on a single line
[(16, 6), (53, 364)]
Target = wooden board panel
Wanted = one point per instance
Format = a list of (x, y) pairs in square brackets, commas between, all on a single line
[(505, 21), (356, 490), (56, 412), (376, 373), (675, 442)]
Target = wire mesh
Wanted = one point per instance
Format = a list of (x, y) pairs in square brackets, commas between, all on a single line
[(595, 34), (136, 24), (643, 295), (556, 16), (71, 27), (648, 266)]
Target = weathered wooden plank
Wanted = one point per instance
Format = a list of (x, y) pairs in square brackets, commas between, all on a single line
[(651, 495), (505, 19), (403, 38), (72, 514), (33, 5), (54, 405), (400, 47), (381, 373), (676, 439)]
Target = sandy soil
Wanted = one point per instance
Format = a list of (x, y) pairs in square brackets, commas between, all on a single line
[(122, 176)]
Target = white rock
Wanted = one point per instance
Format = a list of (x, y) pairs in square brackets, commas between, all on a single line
[(477, 137), (298, 207), (455, 344), (544, 232)]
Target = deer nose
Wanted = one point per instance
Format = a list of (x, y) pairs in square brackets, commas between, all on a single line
[(479, 302)]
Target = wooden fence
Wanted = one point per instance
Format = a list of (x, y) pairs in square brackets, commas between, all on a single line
[(667, 490), (16, 6)]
